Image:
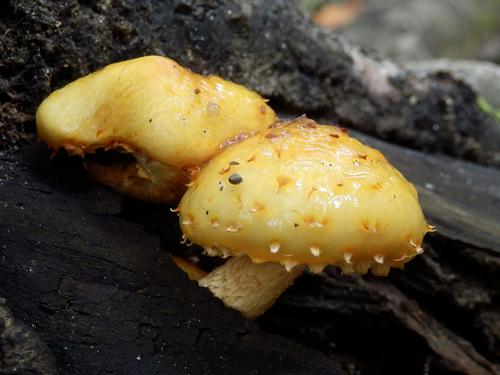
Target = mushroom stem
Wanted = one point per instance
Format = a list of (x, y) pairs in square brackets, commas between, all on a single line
[(249, 287)]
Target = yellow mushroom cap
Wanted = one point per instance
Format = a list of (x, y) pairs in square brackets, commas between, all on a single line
[(153, 104), (302, 193), (155, 109)]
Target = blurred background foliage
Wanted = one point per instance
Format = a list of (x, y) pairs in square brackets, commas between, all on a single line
[(415, 29), (458, 36)]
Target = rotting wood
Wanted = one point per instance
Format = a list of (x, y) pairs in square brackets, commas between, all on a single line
[(104, 294)]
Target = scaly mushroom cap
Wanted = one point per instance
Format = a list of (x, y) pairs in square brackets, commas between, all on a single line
[(301, 193), (153, 108)]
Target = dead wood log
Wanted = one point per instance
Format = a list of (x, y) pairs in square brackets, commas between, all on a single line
[(105, 296), (21, 349), (91, 273)]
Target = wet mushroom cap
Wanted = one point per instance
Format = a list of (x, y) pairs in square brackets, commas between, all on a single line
[(302, 193), (153, 108)]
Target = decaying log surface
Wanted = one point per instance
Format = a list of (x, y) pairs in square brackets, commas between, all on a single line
[(21, 349), (267, 45), (425, 320), (105, 297), (100, 289), (90, 273)]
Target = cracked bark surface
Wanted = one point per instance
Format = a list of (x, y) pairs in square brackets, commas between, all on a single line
[(90, 272), (106, 297), (21, 349)]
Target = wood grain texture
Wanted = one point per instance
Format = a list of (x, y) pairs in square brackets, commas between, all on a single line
[(105, 295)]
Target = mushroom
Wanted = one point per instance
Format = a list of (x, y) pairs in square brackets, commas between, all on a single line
[(298, 195), (160, 119)]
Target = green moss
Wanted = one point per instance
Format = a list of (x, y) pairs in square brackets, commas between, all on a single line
[(487, 108)]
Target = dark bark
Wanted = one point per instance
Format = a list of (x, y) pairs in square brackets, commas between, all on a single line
[(99, 288), (106, 297), (267, 45), (21, 349), (91, 273)]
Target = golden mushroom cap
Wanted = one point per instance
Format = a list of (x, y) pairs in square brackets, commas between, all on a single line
[(152, 106), (302, 193)]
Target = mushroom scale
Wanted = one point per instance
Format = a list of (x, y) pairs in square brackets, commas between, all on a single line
[(306, 194), (166, 116)]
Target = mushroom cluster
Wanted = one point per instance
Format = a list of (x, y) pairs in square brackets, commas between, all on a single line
[(275, 198)]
